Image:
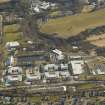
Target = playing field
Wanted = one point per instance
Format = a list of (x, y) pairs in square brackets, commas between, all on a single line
[(72, 25)]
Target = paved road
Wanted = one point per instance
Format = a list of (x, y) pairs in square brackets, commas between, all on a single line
[(43, 88), (68, 83), (72, 83)]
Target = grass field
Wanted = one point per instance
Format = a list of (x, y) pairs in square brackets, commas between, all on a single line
[(11, 33), (72, 25), (11, 28), (87, 86)]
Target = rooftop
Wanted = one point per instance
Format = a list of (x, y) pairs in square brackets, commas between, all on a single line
[(77, 66), (33, 73)]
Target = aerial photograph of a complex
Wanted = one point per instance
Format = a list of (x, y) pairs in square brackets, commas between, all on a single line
[(52, 52)]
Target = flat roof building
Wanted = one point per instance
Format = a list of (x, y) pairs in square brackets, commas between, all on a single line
[(11, 45), (56, 56), (77, 66), (33, 74), (13, 74), (51, 71)]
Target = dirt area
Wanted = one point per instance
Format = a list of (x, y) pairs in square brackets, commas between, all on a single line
[(98, 40)]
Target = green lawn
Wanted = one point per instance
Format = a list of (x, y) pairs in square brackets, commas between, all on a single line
[(13, 36), (72, 25), (35, 99), (87, 86), (11, 28), (12, 33)]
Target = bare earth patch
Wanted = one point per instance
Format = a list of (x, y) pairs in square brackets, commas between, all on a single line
[(98, 40)]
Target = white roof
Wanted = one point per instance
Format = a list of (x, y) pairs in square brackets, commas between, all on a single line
[(64, 73), (57, 51), (93, 72), (11, 60), (14, 78), (77, 66), (12, 44), (52, 74), (64, 66), (15, 70), (75, 57), (33, 77), (36, 9), (50, 66), (61, 57), (32, 74), (45, 5), (100, 71)]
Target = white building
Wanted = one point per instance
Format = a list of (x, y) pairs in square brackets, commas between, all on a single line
[(64, 67), (56, 56), (52, 75), (64, 74), (11, 45), (51, 71), (44, 5), (38, 6), (14, 74), (77, 66), (50, 67), (33, 74)]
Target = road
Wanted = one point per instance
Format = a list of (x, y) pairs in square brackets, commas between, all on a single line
[(66, 83), (69, 83)]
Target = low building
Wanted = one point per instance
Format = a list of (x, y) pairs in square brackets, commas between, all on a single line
[(64, 71), (50, 67), (51, 75), (12, 45), (56, 56), (51, 71), (64, 74), (63, 67), (31, 58), (77, 66), (13, 74), (33, 74), (38, 6)]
